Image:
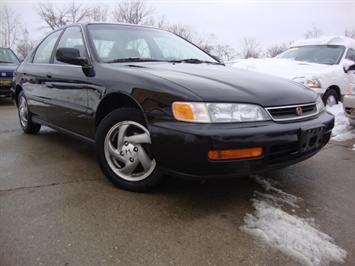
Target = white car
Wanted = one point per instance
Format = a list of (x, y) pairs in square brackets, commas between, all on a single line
[(321, 64), (349, 103)]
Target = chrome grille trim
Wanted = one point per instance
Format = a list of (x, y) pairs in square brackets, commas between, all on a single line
[(6, 74), (287, 113)]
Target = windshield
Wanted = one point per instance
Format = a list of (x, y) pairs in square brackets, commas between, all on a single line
[(7, 56), (320, 54), (122, 43)]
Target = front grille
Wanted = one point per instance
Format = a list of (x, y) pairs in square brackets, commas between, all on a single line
[(350, 111), (280, 153), (294, 112), (5, 74)]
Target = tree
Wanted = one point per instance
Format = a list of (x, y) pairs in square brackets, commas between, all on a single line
[(99, 12), (315, 32), (61, 16), (9, 27), (275, 50), (134, 12), (224, 52), (25, 44), (190, 34), (350, 33), (250, 48), (139, 12)]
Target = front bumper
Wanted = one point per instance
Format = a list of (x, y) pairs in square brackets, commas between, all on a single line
[(182, 148), (349, 105), (5, 86)]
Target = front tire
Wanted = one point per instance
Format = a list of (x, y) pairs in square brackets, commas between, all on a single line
[(124, 150), (330, 98), (25, 116)]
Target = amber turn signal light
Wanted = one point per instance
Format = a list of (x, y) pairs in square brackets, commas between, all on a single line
[(217, 155), (183, 111)]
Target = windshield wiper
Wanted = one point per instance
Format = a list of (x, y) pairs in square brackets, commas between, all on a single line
[(139, 59), (195, 61), (132, 59)]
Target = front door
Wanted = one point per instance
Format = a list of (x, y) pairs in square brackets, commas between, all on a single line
[(66, 88)]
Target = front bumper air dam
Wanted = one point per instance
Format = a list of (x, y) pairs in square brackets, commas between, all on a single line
[(182, 148)]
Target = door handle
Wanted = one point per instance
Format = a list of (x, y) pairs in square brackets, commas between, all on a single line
[(49, 75), (49, 85)]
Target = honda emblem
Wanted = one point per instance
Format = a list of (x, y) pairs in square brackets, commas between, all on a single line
[(299, 111)]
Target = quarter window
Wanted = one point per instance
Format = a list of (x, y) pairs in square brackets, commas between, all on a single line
[(45, 49)]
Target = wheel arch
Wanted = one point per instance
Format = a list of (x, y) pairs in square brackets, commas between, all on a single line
[(18, 89), (112, 102), (336, 89)]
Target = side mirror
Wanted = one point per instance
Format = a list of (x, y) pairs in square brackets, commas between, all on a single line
[(70, 56), (352, 67), (348, 65)]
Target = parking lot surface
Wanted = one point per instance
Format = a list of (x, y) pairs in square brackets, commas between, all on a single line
[(57, 208)]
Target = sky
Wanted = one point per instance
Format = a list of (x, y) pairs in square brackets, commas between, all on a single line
[(269, 22)]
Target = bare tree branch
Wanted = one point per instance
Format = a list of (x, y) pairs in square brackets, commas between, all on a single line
[(77, 12), (250, 48), (61, 16), (224, 52), (134, 12), (275, 50), (350, 33), (99, 12), (315, 32), (25, 44), (10, 27)]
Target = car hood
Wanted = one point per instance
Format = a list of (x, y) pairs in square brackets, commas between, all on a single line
[(284, 67), (7, 67), (225, 84)]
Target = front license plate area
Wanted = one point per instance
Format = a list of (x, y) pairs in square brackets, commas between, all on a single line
[(5, 82), (311, 138)]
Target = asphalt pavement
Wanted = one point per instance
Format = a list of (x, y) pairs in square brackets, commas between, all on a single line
[(57, 208)]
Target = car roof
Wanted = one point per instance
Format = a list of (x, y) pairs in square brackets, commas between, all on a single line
[(84, 24), (327, 40)]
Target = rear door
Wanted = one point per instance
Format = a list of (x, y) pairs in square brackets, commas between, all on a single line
[(34, 74)]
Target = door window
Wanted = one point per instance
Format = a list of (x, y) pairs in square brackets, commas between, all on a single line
[(45, 49), (72, 38), (350, 55)]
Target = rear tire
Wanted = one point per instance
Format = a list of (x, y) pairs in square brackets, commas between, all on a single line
[(124, 150), (25, 116)]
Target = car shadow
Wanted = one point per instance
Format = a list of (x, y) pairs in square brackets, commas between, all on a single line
[(6, 101), (179, 198)]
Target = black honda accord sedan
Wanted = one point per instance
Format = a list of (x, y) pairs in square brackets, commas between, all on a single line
[(154, 104)]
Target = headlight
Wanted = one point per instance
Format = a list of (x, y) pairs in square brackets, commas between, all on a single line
[(218, 112), (320, 104), (310, 82), (350, 89)]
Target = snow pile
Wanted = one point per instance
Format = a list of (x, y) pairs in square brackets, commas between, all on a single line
[(296, 237), (342, 130)]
